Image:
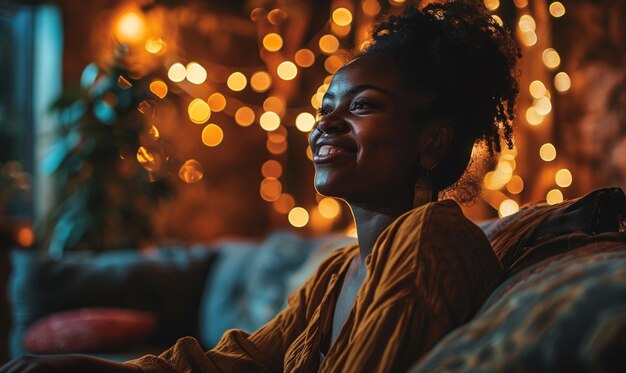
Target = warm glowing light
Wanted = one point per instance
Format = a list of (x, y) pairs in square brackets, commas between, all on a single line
[(150, 161), (554, 196), (25, 236), (520, 3), (147, 107), (563, 178), (217, 102), (271, 188), (277, 16), (272, 168), (191, 171), (284, 203), (199, 111), (508, 207), (516, 185), (272, 42), (397, 2), (527, 23), (309, 153), (159, 88), (244, 116), (562, 82), (497, 19), (529, 38), (154, 132), (547, 152), (260, 81), (275, 104), (551, 58), (543, 106), (236, 81), (342, 17), (177, 72), (329, 208), (287, 70), (532, 117), (196, 74), (304, 58), (269, 121), (340, 30), (212, 135), (492, 4), (278, 136), (130, 28), (537, 89), (155, 45), (329, 44), (370, 7), (333, 63), (298, 217), (305, 122), (493, 181), (557, 9), (276, 148), (316, 100)]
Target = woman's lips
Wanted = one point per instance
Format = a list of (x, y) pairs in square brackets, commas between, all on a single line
[(329, 153)]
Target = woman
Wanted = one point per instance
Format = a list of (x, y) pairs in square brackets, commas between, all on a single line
[(397, 126)]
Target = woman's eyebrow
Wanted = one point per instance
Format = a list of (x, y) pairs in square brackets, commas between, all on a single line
[(356, 89)]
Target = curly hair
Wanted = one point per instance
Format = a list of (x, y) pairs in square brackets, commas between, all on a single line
[(465, 62)]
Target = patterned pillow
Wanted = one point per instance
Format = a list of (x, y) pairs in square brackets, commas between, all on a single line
[(89, 330), (565, 314), (516, 239)]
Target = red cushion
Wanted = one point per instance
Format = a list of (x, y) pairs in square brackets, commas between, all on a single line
[(88, 330)]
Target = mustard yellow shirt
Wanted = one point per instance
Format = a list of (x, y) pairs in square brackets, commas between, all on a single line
[(428, 273)]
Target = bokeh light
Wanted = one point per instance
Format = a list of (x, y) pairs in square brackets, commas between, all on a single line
[(508, 207), (537, 89), (159, 88), (563, 178), (298, 217), (329, 208), (284, 203), (276, 148), (547, 152), (196, 74), (155, 45), (305, 122), (236, 81), (304, 57), (543, 106), (148, 160), (244, 116), (554, 196), (260, 81), (269, 121), (270, 189), (130, 28), (272, 42), (551, 58), (562, 82), (217, 102), (199, 111), (212, 135), (177, 72), (271, 168), (287, 70), (492, 4), (515, 185), (191, 171), (275, 104), (342, 17), (532, 117), (333, 63), (557, 9), (329, 44), (370, 7)]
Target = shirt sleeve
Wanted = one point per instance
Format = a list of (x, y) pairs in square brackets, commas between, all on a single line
[(239, 351)]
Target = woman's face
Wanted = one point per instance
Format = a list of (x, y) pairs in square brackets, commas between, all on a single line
[(365, 147)]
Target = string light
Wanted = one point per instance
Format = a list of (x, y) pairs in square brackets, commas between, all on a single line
[(547, 152), (551, 58), (304, 58), (333, 63), (284, 203), (554, 196), (271, 168), (557, 9), (212, 135), (342, 17), (270, 189), (159, 88), (269, 121), (217, 102), (275, 104), (329, 208), (543, 106), (199, 111), (177, 72), (563, 178), (520, 3), (155, 45), (260, 81), (130, 28), (537, 89), (195, 73), (329, 44), (272, 42), (287, 70), (370, 7), (516, 185), (492, 4), (562, 82), (298, 217), (507, 207), (532, 117), (191, 171), (305, 122), (244, 116), (236, 81)]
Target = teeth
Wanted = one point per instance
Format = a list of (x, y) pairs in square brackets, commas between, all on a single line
[(329, 149)]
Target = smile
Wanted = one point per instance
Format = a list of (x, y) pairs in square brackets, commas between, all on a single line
[(329, 153)]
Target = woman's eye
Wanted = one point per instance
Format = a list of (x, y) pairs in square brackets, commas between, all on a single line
[(322, 112), (360, 105)]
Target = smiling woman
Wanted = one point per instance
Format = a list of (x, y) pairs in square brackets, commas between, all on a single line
[(397, 125)]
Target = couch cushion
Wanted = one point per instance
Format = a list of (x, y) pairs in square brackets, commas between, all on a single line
[(567, 313), (89, 329), (168, 282), (516, 239)]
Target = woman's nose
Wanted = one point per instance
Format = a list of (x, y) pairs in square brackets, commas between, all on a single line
[(332, 124)]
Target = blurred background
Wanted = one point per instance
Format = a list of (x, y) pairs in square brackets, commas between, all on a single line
[(136, 123)]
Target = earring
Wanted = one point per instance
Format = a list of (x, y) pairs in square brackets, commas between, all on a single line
[(424, 192)]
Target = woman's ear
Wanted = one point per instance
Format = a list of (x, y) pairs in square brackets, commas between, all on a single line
[(435, 142)]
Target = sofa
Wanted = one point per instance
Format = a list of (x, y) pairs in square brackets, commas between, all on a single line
[(561, 306)]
